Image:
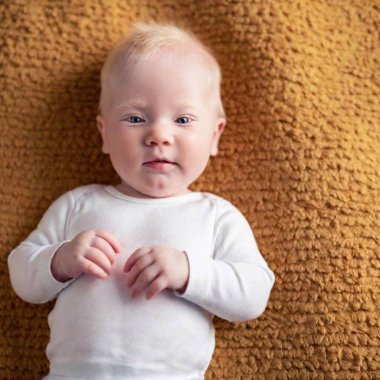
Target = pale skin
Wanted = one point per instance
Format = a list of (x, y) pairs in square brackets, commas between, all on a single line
[(148, 269), (167, 111)]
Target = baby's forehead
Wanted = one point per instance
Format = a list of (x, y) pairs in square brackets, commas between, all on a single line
[(170, 64), (174, 56)]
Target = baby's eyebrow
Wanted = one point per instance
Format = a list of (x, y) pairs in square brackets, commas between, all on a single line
[(187, 107), (132, 104)]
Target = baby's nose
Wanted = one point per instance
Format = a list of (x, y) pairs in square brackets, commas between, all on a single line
[(159, 134)]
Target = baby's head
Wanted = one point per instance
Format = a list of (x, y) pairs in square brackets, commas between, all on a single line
[(160, 111)]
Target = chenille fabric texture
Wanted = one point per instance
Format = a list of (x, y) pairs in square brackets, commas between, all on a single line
[(300, 158)]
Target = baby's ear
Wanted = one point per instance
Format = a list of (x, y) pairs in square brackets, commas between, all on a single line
[(218, 130), (101, 124)]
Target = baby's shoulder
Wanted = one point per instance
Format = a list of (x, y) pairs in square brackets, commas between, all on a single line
[(85, 190), (222, 205), (78, 194), (229, 217)]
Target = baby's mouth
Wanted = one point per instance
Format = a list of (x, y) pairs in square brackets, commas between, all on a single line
[(168, 162), (160, 165)]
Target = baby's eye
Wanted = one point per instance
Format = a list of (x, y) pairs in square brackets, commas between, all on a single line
[(134, 119), (183, 120)]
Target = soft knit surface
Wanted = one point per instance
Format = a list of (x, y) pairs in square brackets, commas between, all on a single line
[(300, 158)]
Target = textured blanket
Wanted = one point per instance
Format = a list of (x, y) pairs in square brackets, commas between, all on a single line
[(300, 157)]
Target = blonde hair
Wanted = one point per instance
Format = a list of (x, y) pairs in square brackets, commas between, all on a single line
[(146, 41)]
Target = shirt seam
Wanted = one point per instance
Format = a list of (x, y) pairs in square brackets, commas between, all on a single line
[(215, 228), (74, 203)]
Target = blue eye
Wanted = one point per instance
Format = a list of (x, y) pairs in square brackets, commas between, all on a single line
[(134, 119), (183, 120)]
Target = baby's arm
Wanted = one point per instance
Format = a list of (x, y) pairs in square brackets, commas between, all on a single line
[(30, 263), (235, 284)]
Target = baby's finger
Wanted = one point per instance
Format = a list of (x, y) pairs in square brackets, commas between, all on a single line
[(104, 246), (111, 239), (157, 286), (90, 267), (99, 258), (144, 279), (143, 262), (134, 257)]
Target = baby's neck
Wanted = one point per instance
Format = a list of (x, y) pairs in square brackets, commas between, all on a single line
[(131, 192)]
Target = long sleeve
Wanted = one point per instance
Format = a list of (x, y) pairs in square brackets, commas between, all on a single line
[(235, 284), (29, 263)]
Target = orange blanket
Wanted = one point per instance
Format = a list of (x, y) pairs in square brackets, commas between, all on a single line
[(300, 157)]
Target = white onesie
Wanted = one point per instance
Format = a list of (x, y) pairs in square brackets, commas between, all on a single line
[(97, 330)]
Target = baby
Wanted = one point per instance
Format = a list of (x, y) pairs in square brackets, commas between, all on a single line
[(140, 269)]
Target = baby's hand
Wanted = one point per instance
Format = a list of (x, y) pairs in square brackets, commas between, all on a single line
[(157, 268), (92, 252)]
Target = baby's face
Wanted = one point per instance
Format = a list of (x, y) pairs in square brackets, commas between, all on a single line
[(162, 126)]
